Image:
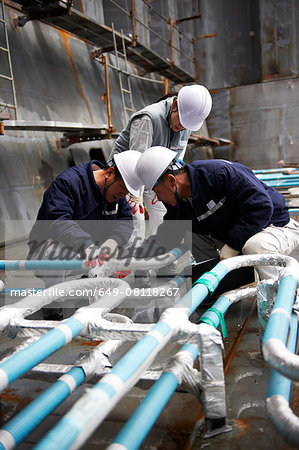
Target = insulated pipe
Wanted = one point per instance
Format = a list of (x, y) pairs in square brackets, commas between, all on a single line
[(30, 417), (275, 337), (278, 397), (20, 363), (277, 170), (96, 324), (131, 293), (281, 183), (108, 268), (138, 426), (15, 312), (278, 177), (42, 264), (88, 412), (23, 423), (219, 308)]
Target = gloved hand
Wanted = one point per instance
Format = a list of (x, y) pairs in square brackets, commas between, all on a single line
[(110, 248), (94, 256), (135, 203), (228, 252)]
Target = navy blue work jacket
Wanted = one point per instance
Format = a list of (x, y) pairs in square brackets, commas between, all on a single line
[(228, 203), (73, 203)]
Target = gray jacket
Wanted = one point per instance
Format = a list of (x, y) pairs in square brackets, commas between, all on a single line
[(162, 134)]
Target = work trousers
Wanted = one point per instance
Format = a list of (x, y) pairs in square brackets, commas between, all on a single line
[(270, 240)]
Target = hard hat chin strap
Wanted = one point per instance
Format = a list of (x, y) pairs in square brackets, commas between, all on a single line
[(107, 187), (175, 193)]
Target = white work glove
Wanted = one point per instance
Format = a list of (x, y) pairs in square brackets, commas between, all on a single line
[(136, 203), (96, 256), (110, 248), (228, 252)]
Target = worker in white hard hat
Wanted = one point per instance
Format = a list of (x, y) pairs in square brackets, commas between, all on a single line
[(167, 123), (72, 219), (224, 200)]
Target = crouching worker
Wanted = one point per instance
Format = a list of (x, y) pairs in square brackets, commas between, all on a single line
[(227, 204), (84, 214)]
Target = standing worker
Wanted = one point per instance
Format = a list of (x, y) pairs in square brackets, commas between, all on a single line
[(72, 219), (167, 123), (224, 200)]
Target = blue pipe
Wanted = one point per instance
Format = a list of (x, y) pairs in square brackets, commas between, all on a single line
[(222, 305), (278, 177), (278, 384), (206, 284), (281, 183), (31, 416), (72, 264), (70, 427), (138, 426), (140, 423), (279, 323), (56, 264), (277, 170), (21, 362), (28, 291)]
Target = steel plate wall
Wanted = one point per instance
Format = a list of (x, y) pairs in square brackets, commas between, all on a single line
[(56, 80)]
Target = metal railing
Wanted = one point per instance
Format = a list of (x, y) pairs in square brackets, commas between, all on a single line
[(170, 23)]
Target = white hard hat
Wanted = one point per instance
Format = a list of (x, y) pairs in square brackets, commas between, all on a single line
[(126, 163), (152, 163), (194, 105)]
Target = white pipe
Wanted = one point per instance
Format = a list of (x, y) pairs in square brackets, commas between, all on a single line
[(11, 315)]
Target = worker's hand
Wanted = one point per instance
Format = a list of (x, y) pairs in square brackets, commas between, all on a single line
[(136, 203), (228, 252), (109, 248), (94, 256)]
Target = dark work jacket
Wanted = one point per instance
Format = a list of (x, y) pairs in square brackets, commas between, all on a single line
[(228, 203), (73, 204)]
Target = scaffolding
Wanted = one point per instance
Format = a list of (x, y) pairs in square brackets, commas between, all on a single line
[(61, 14), (6, 107), (124, 78)]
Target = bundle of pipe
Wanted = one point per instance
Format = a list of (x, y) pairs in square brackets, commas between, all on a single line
[(279, 388), (85, 416), (24, 422), (30, 417), (280, 180), (144, 417), (137, 427), (87, 320), (210, 281), (19, 363), (286, 181), (30, 355)]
